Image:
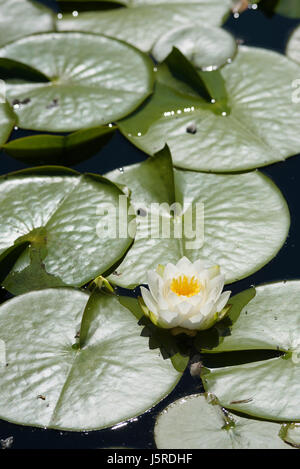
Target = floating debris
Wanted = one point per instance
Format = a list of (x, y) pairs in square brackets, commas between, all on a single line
[(53, 104), (7, 442)]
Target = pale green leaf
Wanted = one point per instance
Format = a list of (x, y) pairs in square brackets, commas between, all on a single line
[(19, 18), (206, 47), (198, 422), (144, 24), (50, 382), (94, 80), (261, 128), (241, 234), (64, 216), (268, 389)]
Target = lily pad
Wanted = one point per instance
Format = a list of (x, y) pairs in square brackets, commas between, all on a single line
[(206, 47), (270, 388), (7, 121), (58, 149), (50, 381), (250, 135), (144, 24), (59, 212), (293, 46), (93, 80), (291, 434), (137, 3), (22, 17), (198, 422), (289, 8), (240, 233)]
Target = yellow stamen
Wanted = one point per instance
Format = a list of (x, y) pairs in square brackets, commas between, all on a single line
[(185, 286)]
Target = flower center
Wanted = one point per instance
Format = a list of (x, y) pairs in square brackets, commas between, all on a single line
[(185, 286)]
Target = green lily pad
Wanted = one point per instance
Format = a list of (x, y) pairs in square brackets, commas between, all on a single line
[(59, 149), (7, 121), (144, 24), (206, 47), (22, 17), (50, 381), (59, 212), (270, 388), (198, 422), (289, 8), (240, 233), (251, 135), (291, 434), (68, 5), (137, 3), (93, 80), (293, 46)]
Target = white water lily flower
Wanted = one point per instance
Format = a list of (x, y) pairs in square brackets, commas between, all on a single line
[(185, 296)]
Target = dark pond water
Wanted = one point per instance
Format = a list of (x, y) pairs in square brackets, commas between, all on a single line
[(252, 28)]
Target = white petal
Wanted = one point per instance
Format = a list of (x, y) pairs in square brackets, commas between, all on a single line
[(223, 300), (207, 309), (183, 263), (215, 287), (196, 300), (170, 272), (209, 321), (149, 300), (193, 323), (184, 308), (173, 299), (162, 303), (155, 283), (169, 318)]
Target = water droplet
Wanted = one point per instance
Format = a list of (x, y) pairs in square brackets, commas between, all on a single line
[(154, 69), (141, 212), (229, 61), (139, 134), (59, 16), (16, 106), (210, 68), (191, 129), (224, 113), (179, 111), (75, 13), (236, 15), (16, 127), (110, 125), (254, 6), (212, 101), (121, 170)]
